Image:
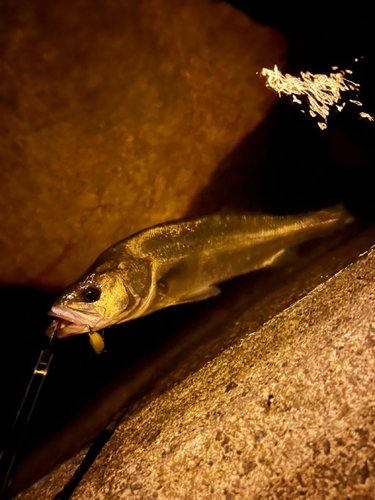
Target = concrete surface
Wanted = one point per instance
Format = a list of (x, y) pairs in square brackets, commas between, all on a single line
[(286, 412), (113, 117)]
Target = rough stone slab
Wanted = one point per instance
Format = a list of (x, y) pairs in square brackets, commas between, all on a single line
[(287, 412), (113, 118)]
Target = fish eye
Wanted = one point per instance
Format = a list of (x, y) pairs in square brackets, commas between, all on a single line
[(91, 294)]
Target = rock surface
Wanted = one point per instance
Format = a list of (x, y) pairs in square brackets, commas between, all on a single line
[(113, 118), (287, 412)]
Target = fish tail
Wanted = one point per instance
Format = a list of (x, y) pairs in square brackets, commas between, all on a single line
[(324, 222), (337, 216)]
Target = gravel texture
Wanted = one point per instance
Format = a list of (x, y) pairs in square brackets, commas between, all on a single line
[(287, 412)]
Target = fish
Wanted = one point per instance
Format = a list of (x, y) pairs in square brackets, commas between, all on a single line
[(181, 261)]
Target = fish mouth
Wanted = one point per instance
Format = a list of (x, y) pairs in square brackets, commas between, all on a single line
[(68, 323), (65, 328)]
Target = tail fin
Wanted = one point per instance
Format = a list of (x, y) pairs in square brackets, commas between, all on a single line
[(337, 216), (316, 225), (325, 222)]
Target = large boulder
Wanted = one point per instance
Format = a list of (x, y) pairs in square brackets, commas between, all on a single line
[(113, 117)]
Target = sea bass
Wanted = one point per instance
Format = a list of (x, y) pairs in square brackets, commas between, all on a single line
[(181, 261)]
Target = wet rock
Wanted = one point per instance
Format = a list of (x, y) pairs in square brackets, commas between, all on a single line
[(113, 118)]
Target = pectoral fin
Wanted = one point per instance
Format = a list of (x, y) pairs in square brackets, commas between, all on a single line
[(275, 259), (203, 294)]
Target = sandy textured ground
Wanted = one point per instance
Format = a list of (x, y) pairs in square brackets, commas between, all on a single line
[(287, 412)]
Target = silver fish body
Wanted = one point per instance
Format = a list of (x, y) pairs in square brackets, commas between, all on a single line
[(182, 261)]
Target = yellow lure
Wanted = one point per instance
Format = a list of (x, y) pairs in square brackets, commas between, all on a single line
[(97, 342)]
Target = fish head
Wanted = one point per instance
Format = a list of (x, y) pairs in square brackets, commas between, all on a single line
[(92, 303), (110, 292)]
